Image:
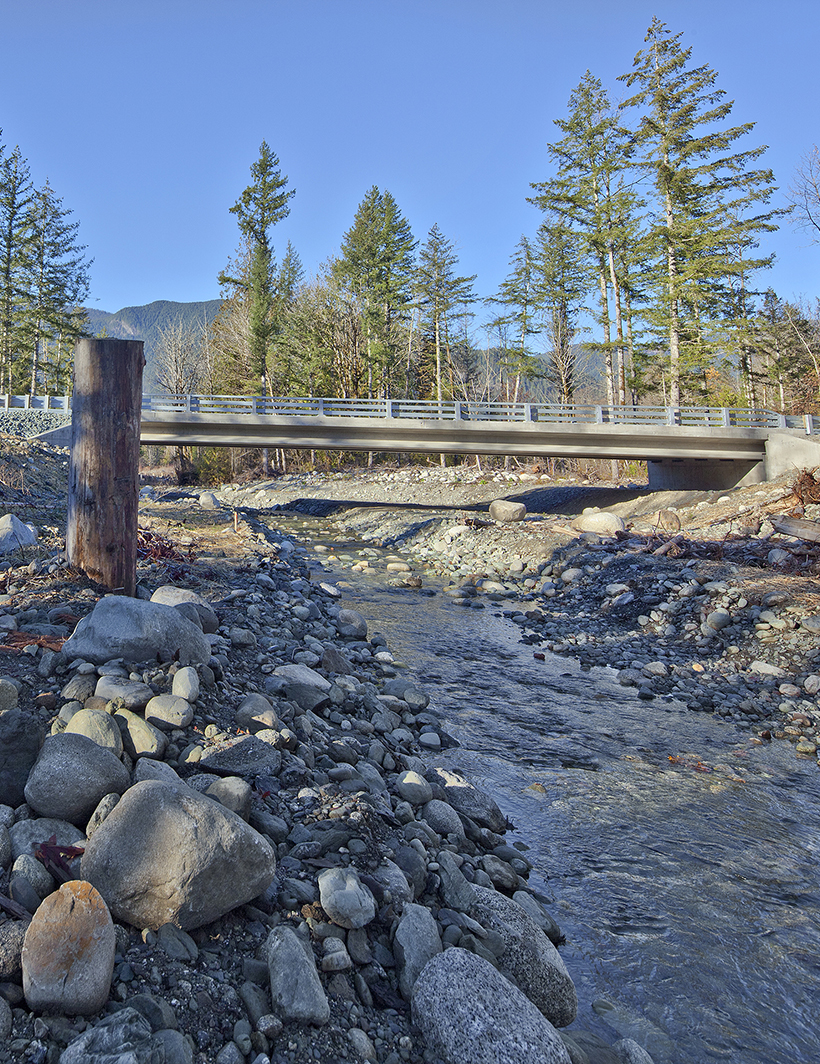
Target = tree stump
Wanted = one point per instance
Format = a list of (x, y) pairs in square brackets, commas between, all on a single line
[(103, 489)]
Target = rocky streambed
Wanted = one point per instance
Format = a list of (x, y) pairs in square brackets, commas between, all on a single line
[(289, 878), (220, 841)]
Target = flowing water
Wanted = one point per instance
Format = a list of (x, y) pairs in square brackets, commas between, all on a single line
[(680, 859)]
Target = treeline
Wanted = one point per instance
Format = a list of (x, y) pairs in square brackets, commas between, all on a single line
[(44, 281), (641, 282)]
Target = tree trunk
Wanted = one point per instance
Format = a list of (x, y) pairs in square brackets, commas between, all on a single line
[(103, 490)]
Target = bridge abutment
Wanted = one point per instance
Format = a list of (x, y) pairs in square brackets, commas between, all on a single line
[(703, 474)]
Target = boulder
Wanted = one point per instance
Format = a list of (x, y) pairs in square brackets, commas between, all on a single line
[(242, 755), (295, 988), (68, 952), (506, 511), (168, 595), (124, 1037), (529, 958), (345, 899), (129, 628), (470, 1014), (139, 737), (186, 684), (70, 777), (469, 800), (168, 712), (21, 736), (414, 788), (99, 726), (600, 521), (416, 942), (131, 694), (26, 835), (167, 854), (351, 625), (14, 534)]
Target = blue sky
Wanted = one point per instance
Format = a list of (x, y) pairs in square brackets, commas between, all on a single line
[(146, 116)]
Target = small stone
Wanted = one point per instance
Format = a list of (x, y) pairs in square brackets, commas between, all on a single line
[(505, 511)]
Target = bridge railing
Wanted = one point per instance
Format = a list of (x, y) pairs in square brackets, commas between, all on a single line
[(472, 410), (35, 402)]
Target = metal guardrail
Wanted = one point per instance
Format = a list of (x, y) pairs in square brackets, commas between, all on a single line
[(35, 402), (450, 410)]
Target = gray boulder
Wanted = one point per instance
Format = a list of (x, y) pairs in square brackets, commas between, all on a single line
[(295, 988), (351, 625), (21, 736), (167, 854), (139, 737), (416, 942), (25, 835), (529, 958), (506, 511), (131, 693), (120, 627), (14, 534), (123, 1038), (470, 1014), (70, 777), (469, 800), (600, 521), (167, 712), (168, 595), (243, 755), (345, 899)]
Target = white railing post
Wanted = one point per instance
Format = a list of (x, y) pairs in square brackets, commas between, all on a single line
[(188, 404), (458, 412), (673, 415), (781, 421), (599, 415), (809, 424), (528, 414), (26, 402), (321, 407), (725, 419)]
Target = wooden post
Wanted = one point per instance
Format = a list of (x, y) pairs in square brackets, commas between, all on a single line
[(103, 490)]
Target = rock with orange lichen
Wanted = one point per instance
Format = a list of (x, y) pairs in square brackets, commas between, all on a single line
[(68, 952)]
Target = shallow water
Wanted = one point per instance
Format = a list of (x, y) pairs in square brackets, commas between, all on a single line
[(679, 858)]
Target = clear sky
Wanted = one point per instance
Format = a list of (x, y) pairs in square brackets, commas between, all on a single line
[(146, 116)]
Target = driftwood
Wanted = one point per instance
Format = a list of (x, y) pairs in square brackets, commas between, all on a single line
[(797, 527)]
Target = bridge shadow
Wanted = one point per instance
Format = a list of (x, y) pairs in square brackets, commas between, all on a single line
[(563, 499)]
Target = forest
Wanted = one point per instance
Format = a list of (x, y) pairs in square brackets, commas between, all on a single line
[(642, 280)]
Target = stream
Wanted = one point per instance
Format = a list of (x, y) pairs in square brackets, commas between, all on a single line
[(679, 858)]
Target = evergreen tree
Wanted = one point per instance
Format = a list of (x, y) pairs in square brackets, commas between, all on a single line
[(16, 242), (561, 282), (705, 192), (518, 321), (377, 264), (443, 299), (263, 203), (58, 286), (592, 193)]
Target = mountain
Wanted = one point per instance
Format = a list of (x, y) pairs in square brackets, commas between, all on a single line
[(146, 322)]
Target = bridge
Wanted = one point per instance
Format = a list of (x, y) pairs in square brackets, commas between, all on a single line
[(685, 447)]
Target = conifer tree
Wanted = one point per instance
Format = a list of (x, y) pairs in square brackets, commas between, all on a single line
[(443, 297), (16, 240), (518, 320), (58, 284), (262, 204), (377, 263), (706, 193)]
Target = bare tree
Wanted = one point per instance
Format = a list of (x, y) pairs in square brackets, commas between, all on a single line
[(180, 361), (804, 194)]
